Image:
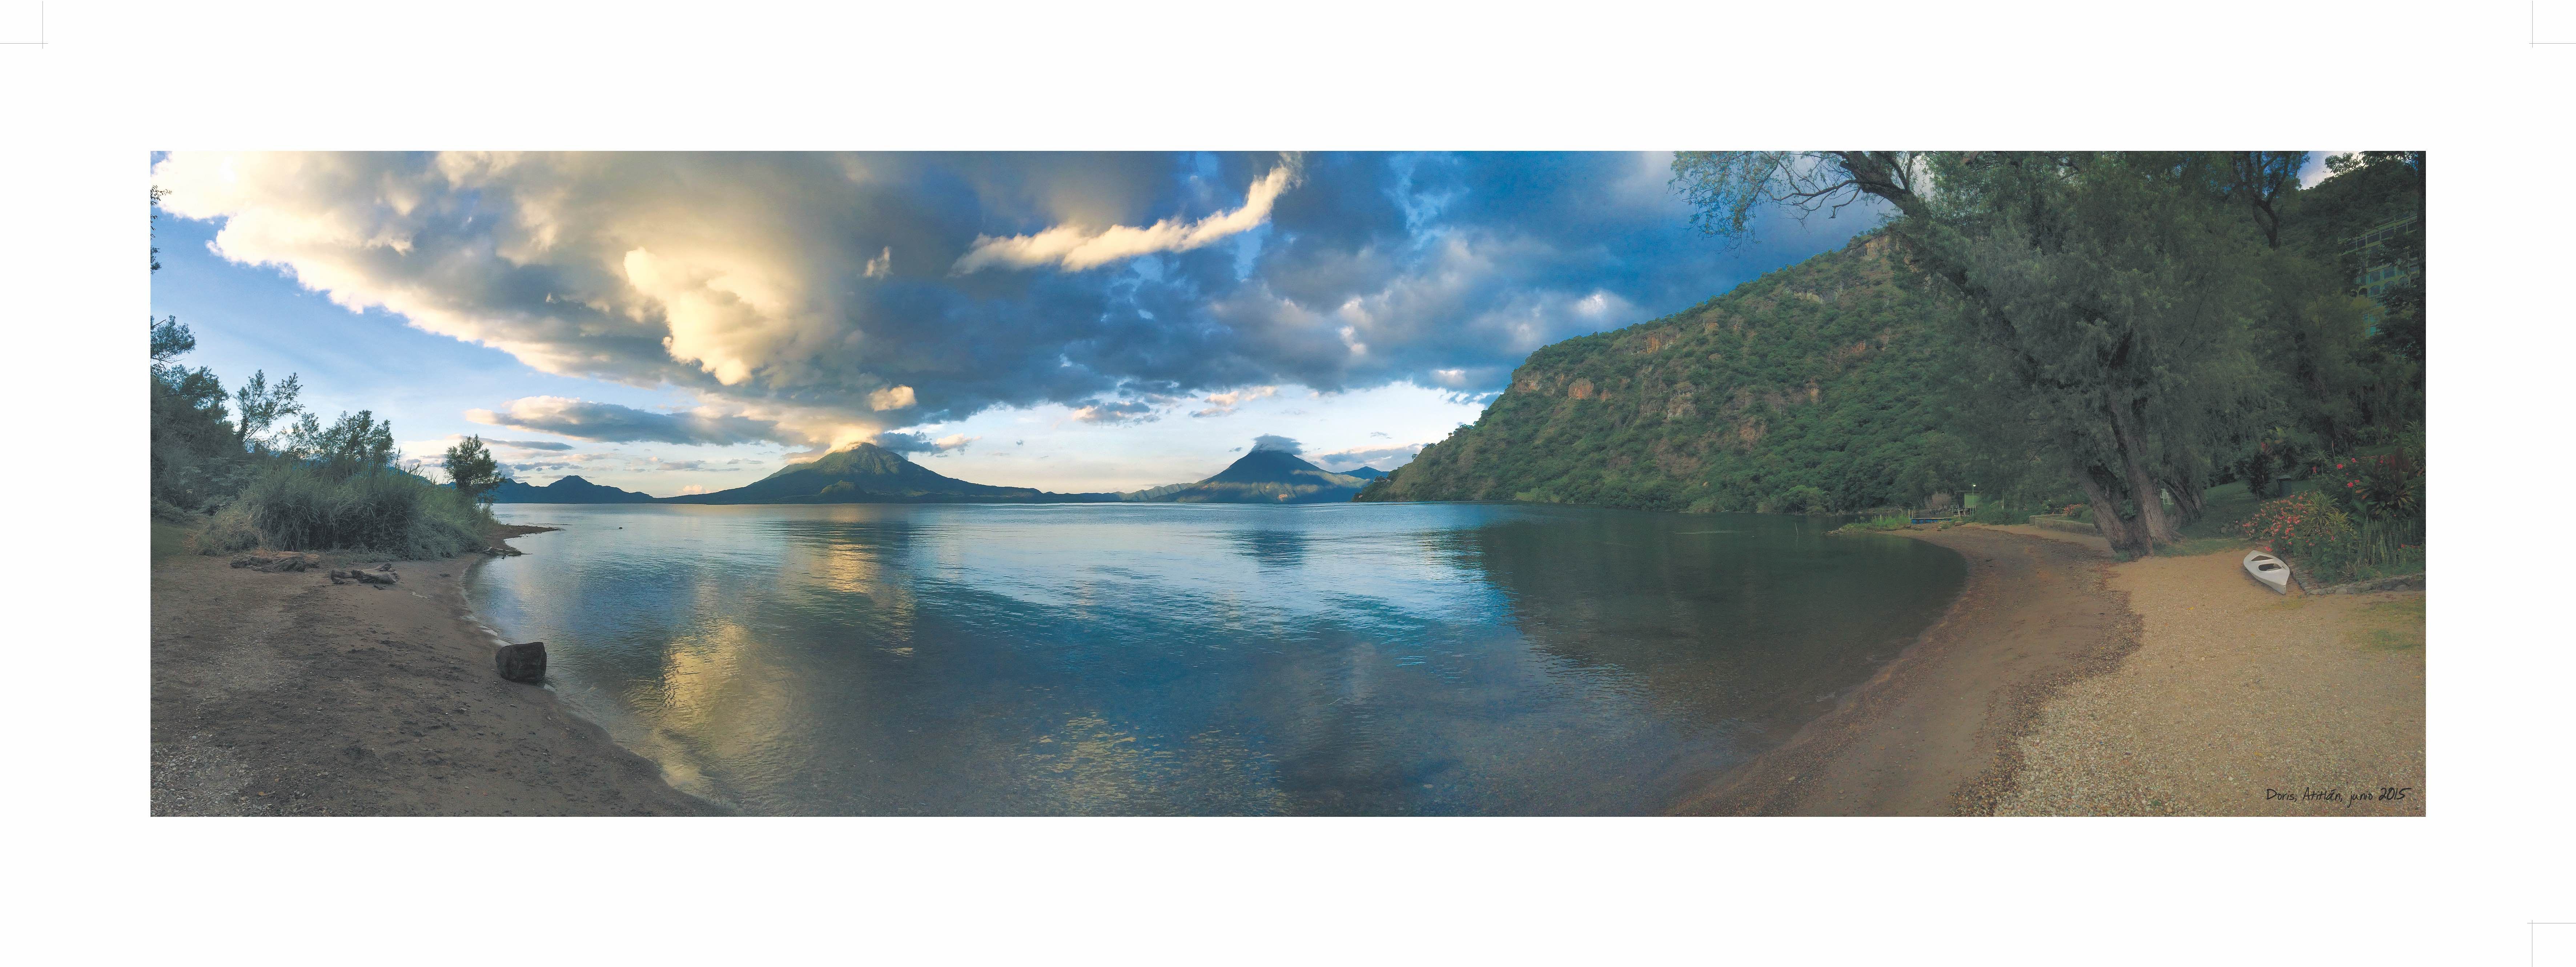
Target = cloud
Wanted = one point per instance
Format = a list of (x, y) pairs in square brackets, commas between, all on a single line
[(1222, 404), (921, 443), (609, 422), (765, 285), (1114, 413), (891, 398), (548, 445), (1268, 441), (1357, 456), (1076, 248), (694, 489)]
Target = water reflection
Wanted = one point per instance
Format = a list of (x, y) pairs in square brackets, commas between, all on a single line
[(1275, 548), (1200, 659)]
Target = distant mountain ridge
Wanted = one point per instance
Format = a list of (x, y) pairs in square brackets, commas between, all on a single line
[(1268, 477), (871, 474), (569, 490)]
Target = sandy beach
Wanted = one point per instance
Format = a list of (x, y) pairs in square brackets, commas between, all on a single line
[(287, 694), (2062, 683), (2238, 703)]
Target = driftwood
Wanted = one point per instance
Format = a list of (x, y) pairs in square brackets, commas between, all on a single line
[(382, 576)]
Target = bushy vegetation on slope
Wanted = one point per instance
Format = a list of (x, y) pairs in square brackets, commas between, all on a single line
[(1809, 389)]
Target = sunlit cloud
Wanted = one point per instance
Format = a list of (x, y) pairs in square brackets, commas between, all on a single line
[(1222, 404), (1074, 247)]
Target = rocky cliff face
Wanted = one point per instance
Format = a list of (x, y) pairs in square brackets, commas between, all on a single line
[(1807, 389)]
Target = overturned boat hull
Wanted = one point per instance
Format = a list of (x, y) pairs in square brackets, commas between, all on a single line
[(2269, 571)]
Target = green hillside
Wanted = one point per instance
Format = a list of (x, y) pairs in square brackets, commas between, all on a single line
[(1805, 389)]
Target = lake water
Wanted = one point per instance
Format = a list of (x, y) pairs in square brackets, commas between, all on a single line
[(1199, 658)]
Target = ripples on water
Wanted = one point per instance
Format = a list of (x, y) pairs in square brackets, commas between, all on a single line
[(1203, 659)]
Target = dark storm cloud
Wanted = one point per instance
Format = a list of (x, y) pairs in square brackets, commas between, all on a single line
[(609, 422), (830, 297)]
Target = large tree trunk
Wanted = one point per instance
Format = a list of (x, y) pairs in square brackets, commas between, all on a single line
[(2142, 485), (2188, 505), (2125, 538)]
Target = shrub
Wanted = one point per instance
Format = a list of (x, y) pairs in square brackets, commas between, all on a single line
[(2320, 538), (1997, 512), (1804, 499), (2298, 524), (300, 507), (2388, 486), (230, 531)]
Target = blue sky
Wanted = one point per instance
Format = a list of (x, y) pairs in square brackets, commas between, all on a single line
[(680, 322)]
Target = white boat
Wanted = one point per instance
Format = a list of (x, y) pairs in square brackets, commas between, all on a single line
[(2272, 571)]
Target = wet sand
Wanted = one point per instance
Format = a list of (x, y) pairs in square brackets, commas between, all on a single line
[(1934, 733), (286, 694)]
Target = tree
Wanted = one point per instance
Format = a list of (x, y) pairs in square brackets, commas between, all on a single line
[(471, 468), (260, 405), (2258, 180), (2109, 297), (355, 443)]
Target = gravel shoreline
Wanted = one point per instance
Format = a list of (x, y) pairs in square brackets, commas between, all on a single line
[(2239, 702)]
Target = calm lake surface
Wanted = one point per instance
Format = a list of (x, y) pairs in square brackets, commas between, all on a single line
[(1199, 658)]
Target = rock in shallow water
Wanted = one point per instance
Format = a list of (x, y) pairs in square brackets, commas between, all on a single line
[(521, 663)]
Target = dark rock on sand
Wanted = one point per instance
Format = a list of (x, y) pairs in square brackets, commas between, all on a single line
[(278, 562), (521, 663)]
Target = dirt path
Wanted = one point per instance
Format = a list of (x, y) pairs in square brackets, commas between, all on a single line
[(2239, 702), (1932, 734), (285, 694)]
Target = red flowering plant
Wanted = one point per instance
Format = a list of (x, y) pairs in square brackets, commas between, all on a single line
[(2303, 523), (2386, 486)]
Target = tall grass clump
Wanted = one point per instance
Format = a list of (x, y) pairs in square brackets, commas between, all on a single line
[(1882, 523), (299, 507)]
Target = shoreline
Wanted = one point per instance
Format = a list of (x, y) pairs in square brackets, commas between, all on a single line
[(1936, 732), (288, 694), (2064, 683)]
